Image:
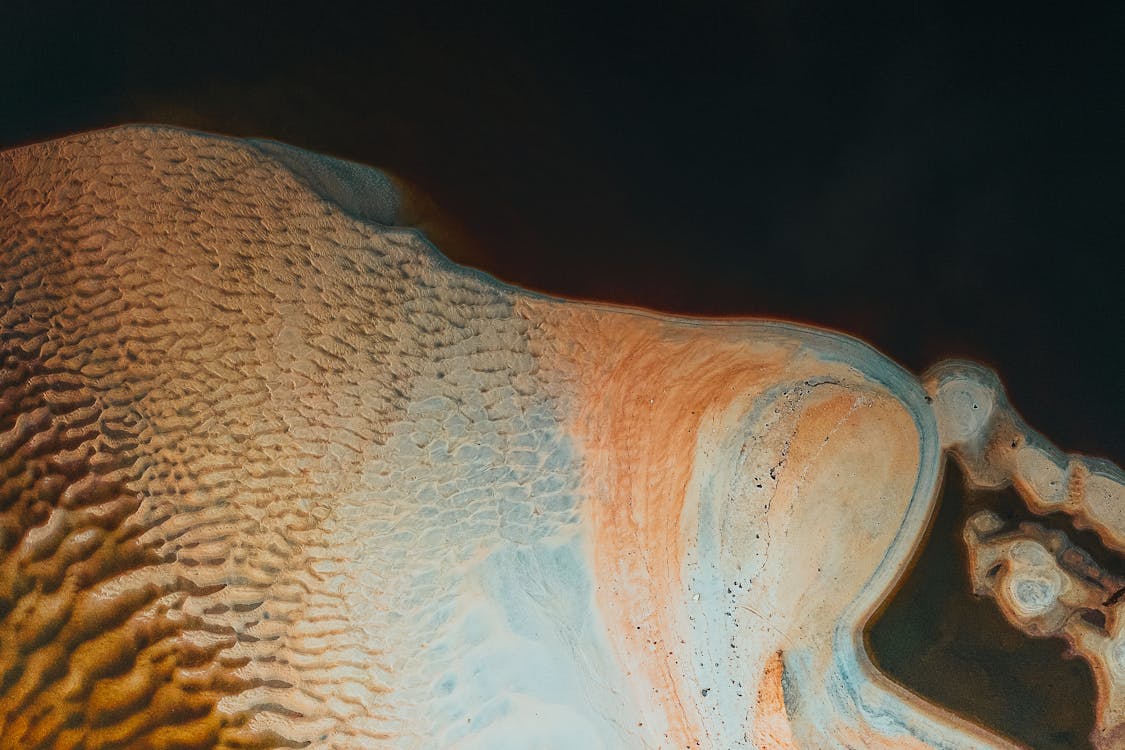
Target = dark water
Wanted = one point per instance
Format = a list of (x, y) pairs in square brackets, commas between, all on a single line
[(939, 180), (958, 651)]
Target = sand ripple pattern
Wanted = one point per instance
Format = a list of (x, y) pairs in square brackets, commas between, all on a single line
[(198, 358)]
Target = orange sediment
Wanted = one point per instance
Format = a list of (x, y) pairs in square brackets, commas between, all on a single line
[(771, 725), (640, 388)]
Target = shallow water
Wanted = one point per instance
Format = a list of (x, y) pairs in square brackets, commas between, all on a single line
[(944, 188)]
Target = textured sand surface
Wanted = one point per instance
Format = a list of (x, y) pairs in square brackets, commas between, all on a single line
[(275, 474)]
